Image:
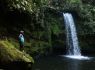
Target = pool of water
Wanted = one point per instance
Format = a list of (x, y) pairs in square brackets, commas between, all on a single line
[(63, 63)]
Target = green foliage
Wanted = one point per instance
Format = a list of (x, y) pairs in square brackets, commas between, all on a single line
[(24, 5), (37, 47), (87, 14), (73, 5), (75, 1), (55, 28)]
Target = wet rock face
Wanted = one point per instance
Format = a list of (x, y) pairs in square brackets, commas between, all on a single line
[(87, 43)]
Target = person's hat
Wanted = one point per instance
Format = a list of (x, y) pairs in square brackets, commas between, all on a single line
[(21, 31)]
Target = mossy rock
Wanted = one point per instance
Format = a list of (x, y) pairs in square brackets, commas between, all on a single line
[(8, 53)]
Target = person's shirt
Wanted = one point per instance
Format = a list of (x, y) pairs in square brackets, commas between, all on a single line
[(21, 38)]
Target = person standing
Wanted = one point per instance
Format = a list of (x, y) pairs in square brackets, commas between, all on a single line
[(21, 40)]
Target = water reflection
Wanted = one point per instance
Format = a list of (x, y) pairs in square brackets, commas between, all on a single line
[(73, 65), (63, 63)]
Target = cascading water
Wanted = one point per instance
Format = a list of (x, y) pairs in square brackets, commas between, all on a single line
[(72, 40), (73, 50)]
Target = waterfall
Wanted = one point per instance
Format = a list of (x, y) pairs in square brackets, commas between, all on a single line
[(73, 49), (71, 35)]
